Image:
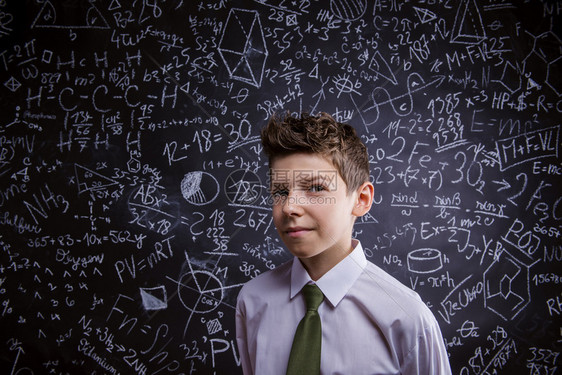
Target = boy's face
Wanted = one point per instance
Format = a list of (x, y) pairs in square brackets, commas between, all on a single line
[(312, 211)]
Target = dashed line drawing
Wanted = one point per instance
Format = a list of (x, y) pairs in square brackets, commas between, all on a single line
[(348, 10), (468, 27), (199, 188), (92, 217), (242, 46), (51, 16), (17, 120)]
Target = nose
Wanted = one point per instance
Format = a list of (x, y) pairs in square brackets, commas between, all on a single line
[(291, 204)]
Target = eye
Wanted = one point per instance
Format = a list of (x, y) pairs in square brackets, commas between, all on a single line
[(316, 188)]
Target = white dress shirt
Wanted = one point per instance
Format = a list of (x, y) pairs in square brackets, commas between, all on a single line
[(371, 323)]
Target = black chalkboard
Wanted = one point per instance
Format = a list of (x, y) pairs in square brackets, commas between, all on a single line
[(133, 190)]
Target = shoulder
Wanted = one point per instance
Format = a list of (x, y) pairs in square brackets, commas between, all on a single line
[(393, 303), (407, 324), (266, 286)]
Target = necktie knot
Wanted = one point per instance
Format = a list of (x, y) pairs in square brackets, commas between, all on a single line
[(313, 296)]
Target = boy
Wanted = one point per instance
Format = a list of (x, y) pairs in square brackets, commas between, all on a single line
[(370, 323)]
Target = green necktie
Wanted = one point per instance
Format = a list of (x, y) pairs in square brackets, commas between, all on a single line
[(305, 353)]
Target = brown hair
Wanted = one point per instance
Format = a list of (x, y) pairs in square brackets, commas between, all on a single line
[(322, 134)]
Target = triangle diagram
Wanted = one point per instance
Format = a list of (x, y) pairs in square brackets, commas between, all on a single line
[(468, 27), (153, 298), (368, 219), (231, 60), (114, 5), (256, 39), (243, 72), (425, 15), (88, 180), (77, 15), (379, 65), (245, 19), (235, 35), (532, 84)]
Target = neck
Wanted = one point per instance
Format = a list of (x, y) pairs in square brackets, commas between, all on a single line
[(317, 266)]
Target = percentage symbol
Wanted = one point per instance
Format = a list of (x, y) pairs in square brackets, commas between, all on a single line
[(7, 309)]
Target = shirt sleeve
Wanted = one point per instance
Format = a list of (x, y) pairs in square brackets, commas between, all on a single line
[(429, 356), (242, 338)]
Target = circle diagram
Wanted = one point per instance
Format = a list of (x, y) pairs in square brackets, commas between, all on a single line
[(200, 291), (242, 187), (199, 188)]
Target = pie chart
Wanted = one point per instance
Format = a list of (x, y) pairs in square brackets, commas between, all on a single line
[(200, 291)]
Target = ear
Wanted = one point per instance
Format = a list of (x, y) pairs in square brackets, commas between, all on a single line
[(364, 199)]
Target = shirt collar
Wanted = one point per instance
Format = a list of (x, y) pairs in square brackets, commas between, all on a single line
[(336, 282)]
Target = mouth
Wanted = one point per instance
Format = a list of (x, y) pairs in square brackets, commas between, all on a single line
[(296, 232)]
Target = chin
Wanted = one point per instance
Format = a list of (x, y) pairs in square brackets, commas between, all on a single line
[(303, 253)]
